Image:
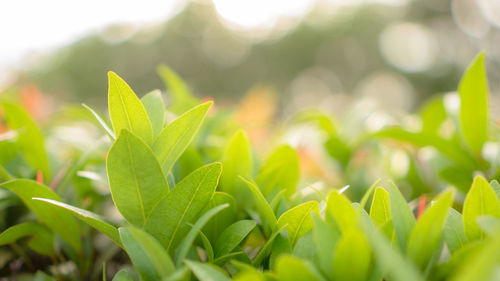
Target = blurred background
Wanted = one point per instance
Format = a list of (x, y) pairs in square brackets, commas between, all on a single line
[(330, 54)]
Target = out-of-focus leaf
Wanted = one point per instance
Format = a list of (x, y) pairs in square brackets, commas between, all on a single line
[(426, 235), (126, 110), (352, 257), (481, 200), (148, 256), (96, 221), (325, 238), (207, 246), (136, 180), (101, 121), (279, 172), (168, 220), (266, 249), (65, 226), (340, 209), (29, 138), (232, 236), (123, 275), (173, 140), (41, 241), (154, 106), (289, 268), (206, 272), (454, 234), (402, 217), (187, 242), (222, 220), (298, 220), (433, 115), (474, 108), (266, 213), (182, 97)]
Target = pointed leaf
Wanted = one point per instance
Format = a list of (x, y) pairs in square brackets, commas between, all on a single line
[(402, 217), (454, 234), (232, 236), (41, 241), (340, 209), (206, 272), (182, 97), (298, 220), (289, 268), (352, 257), (265, 212), (155, 107), (101, 121)]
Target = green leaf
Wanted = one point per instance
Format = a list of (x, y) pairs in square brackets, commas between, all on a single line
[(101, 121), (380, 211), (29, 138), (279, 172), (325, 238), (454, 234), (65, 226), (474, 108), (41, 241), (187, 242), (402, 217), (148, 256), (123, 275), (480, 200), (433, 114), (168, 220), (155, 107), (340, 209), (266, 249), (176, 136), (298, 220), (206, 272), (223, 219), (126, 110), (352, 257), (237, 161), (289, 268), (207, 246), (136, 180), (265, 212), (426, 235), (98, 222), (232, 236), (182, 97)]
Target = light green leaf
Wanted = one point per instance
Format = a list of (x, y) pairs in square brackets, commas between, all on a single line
[(41, 241), (474, 108), (367, 195), (123, 275), (352, 257), (265, 212), (222, 220), (101, 121), (402, 217), (325, 238), (279, 172), (289, 268), (266, 249), (232, 236), (340, 209), (298, 220), (426, 235), (380, 211), (168, 220), (176, 136), (237, 161), (207, 246), (454, 234), (126, 110), (65, 226), (136, 180), (148, 256), (181, 96), (155, 107), (187, 242), (29, 138), (98, 222), (480, 200), (206, 272)]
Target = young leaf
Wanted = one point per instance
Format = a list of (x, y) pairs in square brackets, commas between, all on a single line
[(266, 213), (426, 235), (340, 209), (100, 223), (126, 110), (182, 97), (207, 246), (41, 241), (136, 180), (380, 211), (352, 257), (64, 225), (232, 236), (221, 220), (453, 233), (480, 200), (148, 256), (474, 108), (237, 161), (155, 107), (206, 272), (186, 243), (280, 171), (298, 220), (30, 138), (402, 217), (325, 238), (264, 252), (289, 268), (176, 136), (168, 219), (101, 121)]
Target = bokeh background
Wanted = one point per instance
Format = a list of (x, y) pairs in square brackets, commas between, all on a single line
[(332, 54)]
